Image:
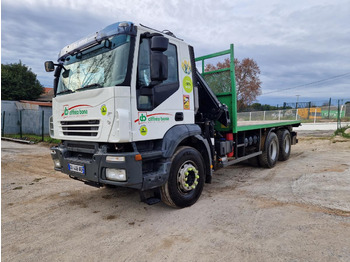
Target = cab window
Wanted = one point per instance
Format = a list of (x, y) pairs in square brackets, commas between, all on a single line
[(149, 97)]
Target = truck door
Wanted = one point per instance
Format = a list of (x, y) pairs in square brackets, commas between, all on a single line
[(158, 103)]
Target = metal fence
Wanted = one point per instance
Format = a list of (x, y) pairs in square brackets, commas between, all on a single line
[(287, 114), (25, 121), (319, 103), (340, 113), (325, 113)]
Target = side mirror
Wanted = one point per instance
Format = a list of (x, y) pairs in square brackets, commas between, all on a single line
[(159, 61), (159, 43), (159, 66), (49, 66)]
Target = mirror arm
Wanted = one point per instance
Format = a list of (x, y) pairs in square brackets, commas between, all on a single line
[(60, 65)]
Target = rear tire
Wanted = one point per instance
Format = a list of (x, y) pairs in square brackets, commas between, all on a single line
[(186, 178), (269, 156), (285, 144)]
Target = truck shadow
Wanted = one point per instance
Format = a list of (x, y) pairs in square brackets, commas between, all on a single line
[(109, 203), (106, 199)]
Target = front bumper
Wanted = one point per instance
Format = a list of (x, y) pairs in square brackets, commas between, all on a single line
[(95, 165), (93, 160)]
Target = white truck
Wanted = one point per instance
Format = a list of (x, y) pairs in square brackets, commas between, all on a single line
[(132, 110)]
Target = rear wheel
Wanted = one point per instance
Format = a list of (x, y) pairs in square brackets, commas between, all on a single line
[(284, 140), (269, 156), (186, 178)]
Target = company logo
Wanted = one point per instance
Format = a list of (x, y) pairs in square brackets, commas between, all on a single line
[(78, 110), (152, 118), (143, 118)]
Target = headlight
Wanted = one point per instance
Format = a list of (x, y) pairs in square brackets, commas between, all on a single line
[(57, 163), (116, 174)]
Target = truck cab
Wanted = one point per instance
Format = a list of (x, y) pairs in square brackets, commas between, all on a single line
[(124, 101)]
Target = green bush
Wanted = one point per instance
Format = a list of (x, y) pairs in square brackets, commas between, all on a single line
[(341, 132)]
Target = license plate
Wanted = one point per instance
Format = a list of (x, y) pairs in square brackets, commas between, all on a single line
[(76, 168)]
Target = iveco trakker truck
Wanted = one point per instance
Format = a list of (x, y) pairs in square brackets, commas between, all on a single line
[(132, 110)]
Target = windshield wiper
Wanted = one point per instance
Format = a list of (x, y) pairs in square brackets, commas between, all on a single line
[(90, 86), (68, 91)]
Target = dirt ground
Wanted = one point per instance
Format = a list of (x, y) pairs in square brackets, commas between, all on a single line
[(297, 211)]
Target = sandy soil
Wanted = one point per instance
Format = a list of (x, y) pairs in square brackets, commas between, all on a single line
[(297, 211)]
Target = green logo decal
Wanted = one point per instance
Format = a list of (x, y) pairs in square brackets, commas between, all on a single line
[(143, 130), (143, 118), (187, 84), (103, 110), (74, 110)]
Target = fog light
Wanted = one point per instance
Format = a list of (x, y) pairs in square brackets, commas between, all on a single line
[(116, 174), (57, 163)]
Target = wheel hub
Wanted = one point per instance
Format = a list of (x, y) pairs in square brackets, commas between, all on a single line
[(188, 177), (273, 150), (286, 145)]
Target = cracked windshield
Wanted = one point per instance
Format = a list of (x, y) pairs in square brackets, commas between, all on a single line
[(100, 66)]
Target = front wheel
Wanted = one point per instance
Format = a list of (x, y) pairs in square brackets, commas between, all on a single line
[(186, 178)]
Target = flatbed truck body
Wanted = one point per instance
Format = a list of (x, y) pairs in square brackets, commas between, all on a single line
[(132, 110), (249, 125)]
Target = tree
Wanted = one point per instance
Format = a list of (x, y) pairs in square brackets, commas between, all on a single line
[(248, 84), (259, 107), (18, 82)]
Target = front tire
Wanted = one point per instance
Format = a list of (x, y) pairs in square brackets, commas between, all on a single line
[(186, 178)]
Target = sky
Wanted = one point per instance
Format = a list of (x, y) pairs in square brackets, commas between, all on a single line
[(302, 47)]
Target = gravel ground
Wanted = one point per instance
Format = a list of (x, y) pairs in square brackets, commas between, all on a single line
[(297, 211)]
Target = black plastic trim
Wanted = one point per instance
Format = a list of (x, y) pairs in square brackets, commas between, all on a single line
[(176, 135)]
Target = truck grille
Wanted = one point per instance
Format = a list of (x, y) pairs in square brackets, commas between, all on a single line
[(80, 128)]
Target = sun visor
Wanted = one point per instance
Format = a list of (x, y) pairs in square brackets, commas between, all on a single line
[(96, 38)]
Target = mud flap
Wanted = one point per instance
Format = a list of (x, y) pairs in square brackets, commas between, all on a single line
[(294, 138)]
